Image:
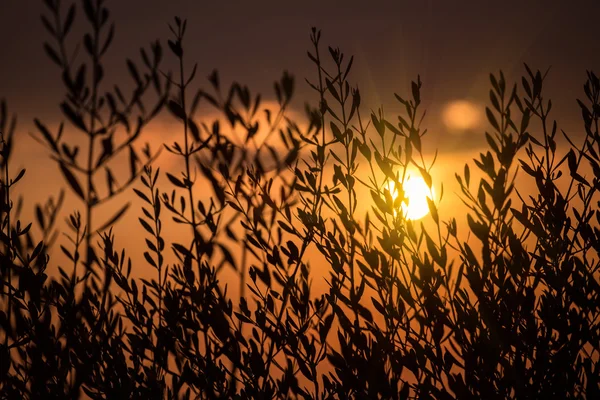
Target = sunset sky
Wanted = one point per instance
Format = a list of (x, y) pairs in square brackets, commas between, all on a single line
[(453, 45)]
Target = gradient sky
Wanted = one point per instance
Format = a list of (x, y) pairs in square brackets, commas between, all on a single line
[(453, 45)]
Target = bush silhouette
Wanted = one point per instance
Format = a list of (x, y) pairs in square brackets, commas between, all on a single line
[(504, 304)]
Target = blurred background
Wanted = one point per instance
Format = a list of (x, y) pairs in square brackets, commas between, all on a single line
[(453, 45)]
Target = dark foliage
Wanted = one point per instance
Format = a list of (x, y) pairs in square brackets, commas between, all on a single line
[(411, 312)]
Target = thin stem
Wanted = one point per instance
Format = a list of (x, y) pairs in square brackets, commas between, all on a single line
[(308, 238), (187, 154), (92, 139), (9, 249)]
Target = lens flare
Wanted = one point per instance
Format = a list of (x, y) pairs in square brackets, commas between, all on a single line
[(461, 115)]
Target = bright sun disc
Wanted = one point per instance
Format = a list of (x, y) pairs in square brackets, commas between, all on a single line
[(416, 192)]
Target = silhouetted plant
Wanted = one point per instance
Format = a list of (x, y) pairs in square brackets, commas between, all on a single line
[(501, 305), (46, 214), (100, 116), (25, 315)]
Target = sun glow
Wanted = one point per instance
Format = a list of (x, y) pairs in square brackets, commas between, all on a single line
[(416, 192), (461, 115)]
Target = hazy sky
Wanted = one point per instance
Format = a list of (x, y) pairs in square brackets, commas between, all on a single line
[(454, 45)]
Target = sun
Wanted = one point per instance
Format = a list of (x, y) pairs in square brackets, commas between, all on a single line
[(416, 192)]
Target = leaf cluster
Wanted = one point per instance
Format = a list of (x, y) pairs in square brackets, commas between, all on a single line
[(502, 304)]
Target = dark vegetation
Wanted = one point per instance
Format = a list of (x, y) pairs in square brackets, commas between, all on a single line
[(512, 312)]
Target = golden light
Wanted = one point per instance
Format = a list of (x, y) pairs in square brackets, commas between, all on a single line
[(461, 115), (416, 192)]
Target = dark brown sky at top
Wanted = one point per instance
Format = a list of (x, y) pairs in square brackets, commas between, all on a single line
[(452, 44)]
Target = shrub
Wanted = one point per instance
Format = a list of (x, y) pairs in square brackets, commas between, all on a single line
[(509, 310)]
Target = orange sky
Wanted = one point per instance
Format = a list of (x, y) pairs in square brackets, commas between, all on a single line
[(43, 179)]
